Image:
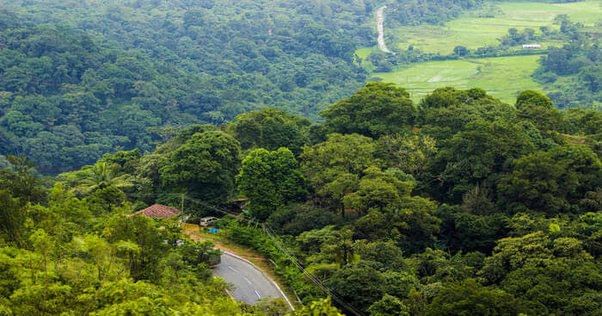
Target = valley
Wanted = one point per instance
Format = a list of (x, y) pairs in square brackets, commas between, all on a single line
[(343, 157), (503, 77)]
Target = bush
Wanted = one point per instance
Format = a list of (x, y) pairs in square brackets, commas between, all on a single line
[(256, 238)]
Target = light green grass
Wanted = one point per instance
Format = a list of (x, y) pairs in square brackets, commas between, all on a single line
[(474, 32), (502, 77), (363, 53)]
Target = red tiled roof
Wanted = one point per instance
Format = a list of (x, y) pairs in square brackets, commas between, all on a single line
[(159, 211)]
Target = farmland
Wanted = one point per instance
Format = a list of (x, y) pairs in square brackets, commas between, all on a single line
[(473, 31), (502, 77)]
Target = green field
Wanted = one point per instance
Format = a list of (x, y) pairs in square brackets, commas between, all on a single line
[(473, 32), (502, 77)]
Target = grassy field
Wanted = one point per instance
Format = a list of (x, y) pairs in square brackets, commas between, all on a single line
[(473, 31), (363, 54), (502, 77)]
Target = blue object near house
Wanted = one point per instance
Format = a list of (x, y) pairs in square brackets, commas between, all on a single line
[(213, 230)]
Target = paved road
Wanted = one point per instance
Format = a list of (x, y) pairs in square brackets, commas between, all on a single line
[(249, 283)]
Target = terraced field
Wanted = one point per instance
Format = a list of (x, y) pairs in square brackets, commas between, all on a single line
[(472, 31), (502, 77)]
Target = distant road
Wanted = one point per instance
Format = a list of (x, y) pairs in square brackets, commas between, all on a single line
[(380, 26), (250, 284)]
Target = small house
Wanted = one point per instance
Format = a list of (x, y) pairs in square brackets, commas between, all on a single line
[(531, 46)]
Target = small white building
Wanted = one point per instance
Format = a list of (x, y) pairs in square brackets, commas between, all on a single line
[(531, 46)]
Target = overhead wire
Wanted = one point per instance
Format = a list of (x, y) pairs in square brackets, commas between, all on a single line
[(277, 242)]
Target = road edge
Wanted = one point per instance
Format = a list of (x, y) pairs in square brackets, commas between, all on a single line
[(264, 274)]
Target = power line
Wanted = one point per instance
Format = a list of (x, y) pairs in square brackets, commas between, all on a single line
[(266, 228), (309, 275)]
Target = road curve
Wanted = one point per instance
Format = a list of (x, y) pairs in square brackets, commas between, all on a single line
[(249, 283)]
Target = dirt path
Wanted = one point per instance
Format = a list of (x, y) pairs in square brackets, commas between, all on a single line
[(380, 26)]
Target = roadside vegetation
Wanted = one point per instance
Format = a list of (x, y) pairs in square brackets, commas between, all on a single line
[(387, 207)]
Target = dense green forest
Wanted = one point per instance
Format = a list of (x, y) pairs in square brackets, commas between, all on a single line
[(79, 251), (458, 205), (79, 79), (82, 78), (364, 200)]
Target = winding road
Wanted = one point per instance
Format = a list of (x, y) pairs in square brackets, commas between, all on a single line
[(249, 283), (380, 26)]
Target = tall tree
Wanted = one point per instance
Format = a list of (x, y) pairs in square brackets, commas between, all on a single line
[(478, 153), (270, 129), (551, 181), (375, 110), (539, 109), (270, 179), (333, 167), (205, 167)]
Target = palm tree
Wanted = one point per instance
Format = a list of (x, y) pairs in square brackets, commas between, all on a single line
[(103, 175)]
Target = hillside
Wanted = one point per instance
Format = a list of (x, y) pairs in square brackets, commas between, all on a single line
[(82, 78), (458, 52), (458, 204), (367, 158)]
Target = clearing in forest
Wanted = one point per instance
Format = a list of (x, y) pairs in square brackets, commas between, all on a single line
[(502, 77), (473, 30)]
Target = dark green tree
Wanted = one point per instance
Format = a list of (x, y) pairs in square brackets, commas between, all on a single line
[(358, 285), (375, 110), (478, 153), (205, 167), (539, 109), (271, 129), (470, 298), (553, 181), (389, 306), (270, 179)]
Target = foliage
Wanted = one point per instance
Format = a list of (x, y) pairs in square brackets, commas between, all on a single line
[(375, 110), (552, 181), (332, 170), (359, 285), (474, 205), (80, 79), (270, 129), (469, 297), (572, 72), (319, 308), (204, 166), (270, 179), (389, 305), (57, 258)]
